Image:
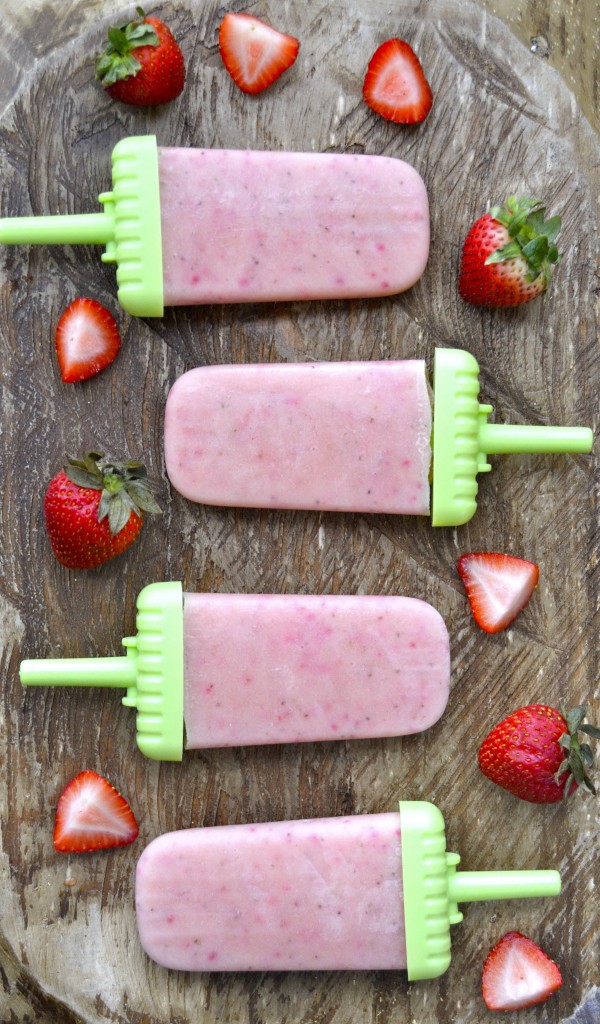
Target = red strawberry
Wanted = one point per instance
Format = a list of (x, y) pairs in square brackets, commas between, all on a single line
[(92, 815), (508, 254), (87, 340), (254, 54), (498, 587), (395, 85), (535, 753), (142, 63), (95, 510), (517, 973)]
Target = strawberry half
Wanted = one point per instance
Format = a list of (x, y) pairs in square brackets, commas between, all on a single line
[(94, 509), (395, 85), (536, 755), (498, 587), (517, 974), (87, 340), (92, 815), (142, 64), (255, 54), (508, 254)]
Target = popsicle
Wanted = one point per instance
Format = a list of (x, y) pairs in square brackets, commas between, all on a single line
[(372, 891), (246, 669), (350, 436), (194, 226)]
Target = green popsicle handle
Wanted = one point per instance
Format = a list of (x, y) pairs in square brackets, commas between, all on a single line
[(463, 438), (110, 672), (433, 888), (503, 439), (151, 671), (472, 886), (129, 226)]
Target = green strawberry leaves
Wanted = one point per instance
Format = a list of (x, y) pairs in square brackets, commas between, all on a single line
[(579, 756), (124, 485), (532, 237), (117, 61)]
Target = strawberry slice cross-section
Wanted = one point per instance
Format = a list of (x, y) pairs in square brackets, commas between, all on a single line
[(517, 974), (92, 815), (395, 85), (255, 54), (87, 340), (498, 586)]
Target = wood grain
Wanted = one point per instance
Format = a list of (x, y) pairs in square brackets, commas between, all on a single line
[(504, 120)]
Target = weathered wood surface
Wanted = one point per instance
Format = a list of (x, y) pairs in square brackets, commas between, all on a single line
[(503, 120)]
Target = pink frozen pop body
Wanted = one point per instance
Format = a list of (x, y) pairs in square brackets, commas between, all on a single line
[(338, 436), (252, 226), (291, 668), (324, 894)]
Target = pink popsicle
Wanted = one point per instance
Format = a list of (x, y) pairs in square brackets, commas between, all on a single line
[(291, 668), (221, 670), (362, 892), (340, 436), (197, 226), (252, 226), (323, 894)]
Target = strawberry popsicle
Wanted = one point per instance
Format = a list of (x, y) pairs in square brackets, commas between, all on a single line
[(196, 226), (373, 891), (350, 436), (247, 669)]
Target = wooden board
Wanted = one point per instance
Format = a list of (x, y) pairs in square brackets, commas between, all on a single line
[(503, 121)]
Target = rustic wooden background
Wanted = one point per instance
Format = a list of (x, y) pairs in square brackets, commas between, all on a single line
[(505, 119)]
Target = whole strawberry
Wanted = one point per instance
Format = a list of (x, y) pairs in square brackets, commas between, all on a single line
[(142, 64), (94, 510), (508, 254), (535, 753)]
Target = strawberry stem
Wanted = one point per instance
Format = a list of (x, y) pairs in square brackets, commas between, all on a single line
[(532, 238), (117, 62), (579, 756), (124, 487)]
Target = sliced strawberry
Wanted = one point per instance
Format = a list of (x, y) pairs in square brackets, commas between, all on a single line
[(517, 973), (498, 587), (395, 85), (92, 815), (255, 54), (87, 340)]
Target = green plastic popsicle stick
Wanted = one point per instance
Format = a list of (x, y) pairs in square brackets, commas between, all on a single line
[(151, 671), (432, 888), (463, 438), (74, 229), (129, 226)]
